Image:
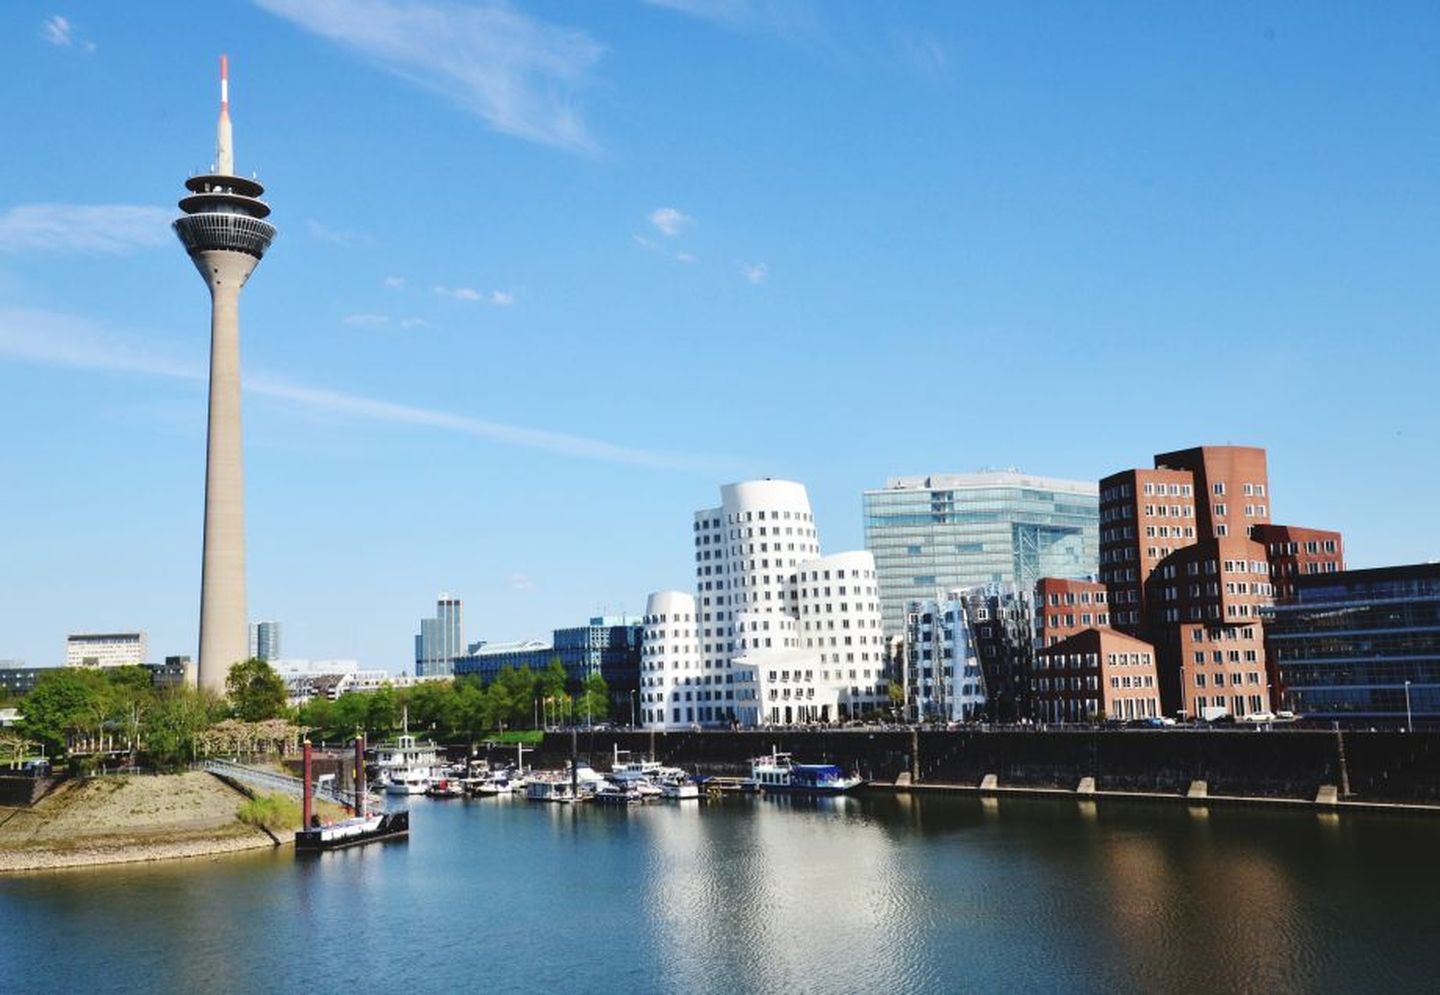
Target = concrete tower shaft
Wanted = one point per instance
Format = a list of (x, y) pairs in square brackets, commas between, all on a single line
[(225, 232)]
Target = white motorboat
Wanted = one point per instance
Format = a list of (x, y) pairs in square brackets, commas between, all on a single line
[(676, 785), (549, 787), (778, 773), (407, 765)]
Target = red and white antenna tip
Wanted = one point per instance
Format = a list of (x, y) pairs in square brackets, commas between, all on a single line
[(224, 80)]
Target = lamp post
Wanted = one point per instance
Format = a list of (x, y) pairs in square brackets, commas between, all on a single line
[(632, 709), (1409, 723)]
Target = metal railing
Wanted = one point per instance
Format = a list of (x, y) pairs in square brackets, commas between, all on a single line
[(269, 780)]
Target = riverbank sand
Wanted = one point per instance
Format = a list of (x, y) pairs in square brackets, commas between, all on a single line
[(112, 820)]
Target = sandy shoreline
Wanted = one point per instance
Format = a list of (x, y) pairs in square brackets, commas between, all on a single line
[(121, 820)]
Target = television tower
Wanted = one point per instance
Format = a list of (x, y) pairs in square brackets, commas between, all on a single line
[(226, 235)]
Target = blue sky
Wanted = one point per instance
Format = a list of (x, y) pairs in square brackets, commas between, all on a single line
[(549, 273)]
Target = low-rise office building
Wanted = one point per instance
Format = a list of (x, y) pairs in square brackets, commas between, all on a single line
[(105, 649), (1360, 645), (1096, 674)]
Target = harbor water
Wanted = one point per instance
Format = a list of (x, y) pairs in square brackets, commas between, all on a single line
[(877, 893)]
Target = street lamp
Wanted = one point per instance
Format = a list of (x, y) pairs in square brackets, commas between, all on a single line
[(632, 709), (1409, 723)]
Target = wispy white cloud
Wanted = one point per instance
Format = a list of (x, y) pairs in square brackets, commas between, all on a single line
[(60, 340), (96, 229), (459, 293), (521, 582), (394, 282), (343, 237), (60, 32), (366, 320), (414, 323), (650, 245), (521, 75), (57, 30), (499, 298), (670, 222), (755, 272), (795, 20)]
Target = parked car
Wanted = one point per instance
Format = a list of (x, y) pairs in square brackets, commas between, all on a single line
[(1259, 718)]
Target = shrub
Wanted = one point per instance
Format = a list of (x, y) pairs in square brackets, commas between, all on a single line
[(272, 812)]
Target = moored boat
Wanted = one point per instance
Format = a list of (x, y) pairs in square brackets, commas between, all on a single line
[(779, 773), (353, 832)]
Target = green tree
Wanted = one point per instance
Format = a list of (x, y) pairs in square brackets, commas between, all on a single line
[(594, 700), (469, 709), (351, 712), (382, 712), (65, 702), (170, 727), (255, 691), (318, 714), (432, 706)]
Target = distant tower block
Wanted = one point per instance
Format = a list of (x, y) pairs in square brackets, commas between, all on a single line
[(226, 235)]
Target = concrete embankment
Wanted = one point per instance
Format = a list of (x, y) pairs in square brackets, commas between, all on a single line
[(1298, 765), (111, 820)]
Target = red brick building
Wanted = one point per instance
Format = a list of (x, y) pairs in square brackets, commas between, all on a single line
[(1205, 604), (1189, 556), (1096, 674), (1064, 608), (1295, 551)]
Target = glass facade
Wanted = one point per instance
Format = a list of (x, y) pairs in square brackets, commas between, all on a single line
[(931, 535), (441, 639), (265, 641), (1359, 643)]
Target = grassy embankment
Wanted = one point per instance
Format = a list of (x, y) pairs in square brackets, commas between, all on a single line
[(121, 819)]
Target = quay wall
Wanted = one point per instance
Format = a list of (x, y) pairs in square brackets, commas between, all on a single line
[(1386, 766)]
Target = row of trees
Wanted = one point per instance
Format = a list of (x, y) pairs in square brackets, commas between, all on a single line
[(118, 709), (464, 708)]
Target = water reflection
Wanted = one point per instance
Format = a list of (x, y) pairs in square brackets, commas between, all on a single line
[(876, 893)]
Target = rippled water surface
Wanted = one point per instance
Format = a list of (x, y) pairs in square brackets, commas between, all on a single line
[(869, 894)]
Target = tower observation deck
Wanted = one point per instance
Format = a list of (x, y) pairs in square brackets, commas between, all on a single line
[(226, 235)]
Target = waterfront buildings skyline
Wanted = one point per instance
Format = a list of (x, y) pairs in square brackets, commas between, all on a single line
[(934, 534)]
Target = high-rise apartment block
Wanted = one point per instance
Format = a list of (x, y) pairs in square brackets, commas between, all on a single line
[(105, 649), (441, 639), (265, 641), (1190, 558), (934, 534), (777, 632)]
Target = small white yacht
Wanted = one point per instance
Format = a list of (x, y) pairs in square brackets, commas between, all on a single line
[(675, 784), (549, 787), (778, 773), (407, 765), (623, 768)]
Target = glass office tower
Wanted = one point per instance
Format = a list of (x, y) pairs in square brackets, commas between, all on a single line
[(930, 535)]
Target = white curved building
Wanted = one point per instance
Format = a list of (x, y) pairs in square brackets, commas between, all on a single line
[(784, 634), (669, 659)]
